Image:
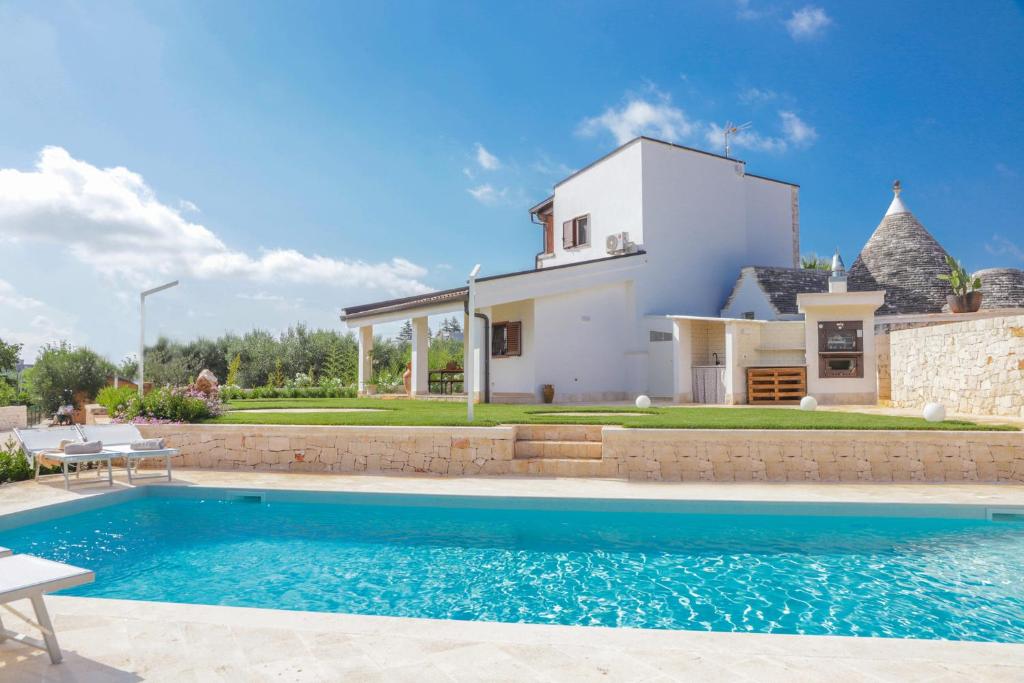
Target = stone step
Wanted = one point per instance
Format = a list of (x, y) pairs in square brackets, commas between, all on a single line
[(565, 467), (559, 432), (571, 450)]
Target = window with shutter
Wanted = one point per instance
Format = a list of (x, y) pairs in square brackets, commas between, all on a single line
[(514, 336), (576, 233), (507, 339)]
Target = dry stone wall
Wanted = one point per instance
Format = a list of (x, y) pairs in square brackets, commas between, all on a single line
[(713, 455), (815, 455), (13, 416), (394, 450), (974, 367)]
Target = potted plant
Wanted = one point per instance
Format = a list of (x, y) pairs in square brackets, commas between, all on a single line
[(966, 296), (548, 392)]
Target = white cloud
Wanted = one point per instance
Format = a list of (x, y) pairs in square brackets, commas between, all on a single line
[(745, 12), (11, 299), (545, 165), (745, 139), (637, 116), (758, 96), (111, 220), (33, 321), (488, 194), (795, 133), (796, 130), (1005, 171), (186, 205), (260, 296), (1001, 246), (807, 23), (487, 161)]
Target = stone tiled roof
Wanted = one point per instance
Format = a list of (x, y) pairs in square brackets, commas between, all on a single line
[(781, 285), (904, 259), (1002, 287)]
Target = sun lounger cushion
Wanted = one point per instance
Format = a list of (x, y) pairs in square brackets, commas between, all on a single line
[(148, 445), (83, 448)]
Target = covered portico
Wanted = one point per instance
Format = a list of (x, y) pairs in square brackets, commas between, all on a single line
[(416, 309)]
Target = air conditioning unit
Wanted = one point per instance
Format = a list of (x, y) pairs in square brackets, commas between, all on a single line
[(619, 243)]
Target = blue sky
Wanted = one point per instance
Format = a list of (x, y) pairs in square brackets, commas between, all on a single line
[(287, 159)]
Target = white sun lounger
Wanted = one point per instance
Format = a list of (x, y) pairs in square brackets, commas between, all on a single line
[(27, 577), (118, 439), (46, 443)]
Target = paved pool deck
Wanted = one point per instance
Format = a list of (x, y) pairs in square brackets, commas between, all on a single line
[(118, 640)]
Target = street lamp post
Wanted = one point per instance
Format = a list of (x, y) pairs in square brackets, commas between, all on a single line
[(469, 371), (142, 330)]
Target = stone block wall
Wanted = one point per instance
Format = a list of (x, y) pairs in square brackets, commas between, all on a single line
[(450, 451), (13, 416), (974, 367), (815, 455)]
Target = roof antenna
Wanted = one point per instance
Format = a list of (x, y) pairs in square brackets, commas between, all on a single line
[(731, 129)]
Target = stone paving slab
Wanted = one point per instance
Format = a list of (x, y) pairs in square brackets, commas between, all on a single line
[(120, 640)]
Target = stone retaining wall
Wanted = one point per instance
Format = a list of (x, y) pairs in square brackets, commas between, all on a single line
[(13, 416), (649, 454), (974, 367), (438, 450), (815, 455)]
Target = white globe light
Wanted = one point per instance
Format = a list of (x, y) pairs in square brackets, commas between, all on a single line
[(643, 402), (808, 403), (934, 412)]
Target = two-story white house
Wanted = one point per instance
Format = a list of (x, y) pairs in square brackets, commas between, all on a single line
[(650, 231)]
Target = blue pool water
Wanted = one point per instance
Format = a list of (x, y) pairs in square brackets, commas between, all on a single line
[(856, 576)]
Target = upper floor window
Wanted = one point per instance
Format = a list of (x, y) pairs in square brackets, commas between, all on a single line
[(576, 233), (506, 339)]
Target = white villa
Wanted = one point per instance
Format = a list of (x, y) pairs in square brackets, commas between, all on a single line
[(635, 290)]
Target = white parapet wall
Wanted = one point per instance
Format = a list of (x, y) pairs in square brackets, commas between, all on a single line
[(13, 416), (974, 367)]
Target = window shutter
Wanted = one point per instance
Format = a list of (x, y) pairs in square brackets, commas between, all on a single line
[(515, 343), (567, 235)]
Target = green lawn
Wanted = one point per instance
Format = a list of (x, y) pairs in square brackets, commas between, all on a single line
[(435, 413)]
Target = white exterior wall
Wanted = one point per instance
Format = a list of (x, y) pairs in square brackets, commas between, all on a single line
[(609, 192), (582, 340), (512, 377), (697, 232), (772, 224)]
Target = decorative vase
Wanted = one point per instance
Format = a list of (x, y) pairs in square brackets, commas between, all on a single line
[(407, 378), (964, 303), (548, 392)]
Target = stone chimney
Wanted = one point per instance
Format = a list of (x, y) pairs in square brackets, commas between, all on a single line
[(837, 280)]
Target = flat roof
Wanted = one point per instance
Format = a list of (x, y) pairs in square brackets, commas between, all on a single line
[(457, 293), (621, 147)]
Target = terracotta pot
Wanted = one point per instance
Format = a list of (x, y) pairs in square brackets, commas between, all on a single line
[(966, 303), (548, 392)]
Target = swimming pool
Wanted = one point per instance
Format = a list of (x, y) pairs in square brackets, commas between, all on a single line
[(768, 569)]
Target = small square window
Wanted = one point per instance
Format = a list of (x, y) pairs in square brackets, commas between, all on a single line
[(506, 339)]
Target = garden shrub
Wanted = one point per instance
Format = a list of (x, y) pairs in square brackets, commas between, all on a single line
[(116, 400), (14, 465)]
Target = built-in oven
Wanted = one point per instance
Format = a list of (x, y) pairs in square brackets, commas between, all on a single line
[(841, 348)]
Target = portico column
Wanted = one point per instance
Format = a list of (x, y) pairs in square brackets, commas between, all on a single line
[(682, 361), (365, 356), (420, 342)]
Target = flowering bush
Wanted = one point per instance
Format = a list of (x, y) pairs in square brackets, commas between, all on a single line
[(171, 404), (300, 381)]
